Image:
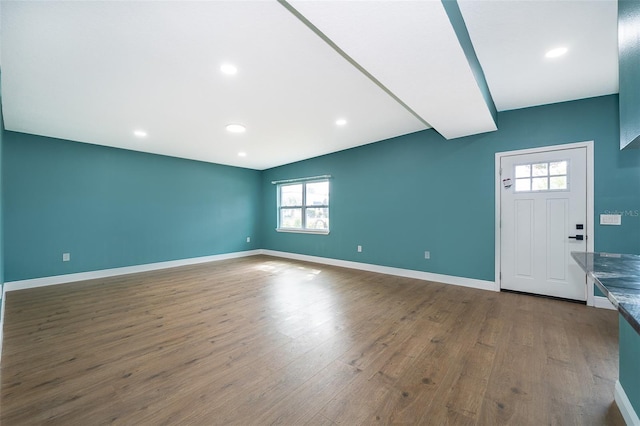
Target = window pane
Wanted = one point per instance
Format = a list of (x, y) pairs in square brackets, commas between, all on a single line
[(291, 195), (540, 169), (539, 184), (318, 193), (318, 218), (523, 171), (558, 182), (290, 218), (523, 185), (558, 168)]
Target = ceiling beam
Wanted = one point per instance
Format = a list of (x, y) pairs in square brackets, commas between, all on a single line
[(460, 28)]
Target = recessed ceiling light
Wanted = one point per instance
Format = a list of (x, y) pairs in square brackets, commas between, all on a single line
[(341, 122), (242, 154), (140, 133), (554, 53), (236, 128), (229, 69)]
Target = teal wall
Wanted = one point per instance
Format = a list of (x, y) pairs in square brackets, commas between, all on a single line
[(400, 197), (1, 210), (629, 359), (1, 207), (112, 208), (629, 71)]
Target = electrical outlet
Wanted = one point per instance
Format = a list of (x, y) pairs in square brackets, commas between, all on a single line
[(66, 257), (248, 239), (427, 255), (359, 249)]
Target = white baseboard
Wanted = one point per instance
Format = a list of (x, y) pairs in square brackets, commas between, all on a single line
[(603, 302), (105, 273), (626, 409), (4, 290), (408, 273)]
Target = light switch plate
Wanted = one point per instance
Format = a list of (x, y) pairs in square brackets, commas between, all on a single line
[(610, 219)]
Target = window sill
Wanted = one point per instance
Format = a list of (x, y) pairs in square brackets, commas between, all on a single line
[(302, 231)]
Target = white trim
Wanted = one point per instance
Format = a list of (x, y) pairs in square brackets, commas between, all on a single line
[(104, 273), (590, 231), (624, 405), (498, 200), (603, 303), (591, 297), (301, 231), (408, 273), (4, 293)]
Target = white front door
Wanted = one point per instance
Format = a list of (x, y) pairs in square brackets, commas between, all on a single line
[(543, 218)]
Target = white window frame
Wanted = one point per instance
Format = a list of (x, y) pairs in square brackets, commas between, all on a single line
[(304, 206), (548, 176)]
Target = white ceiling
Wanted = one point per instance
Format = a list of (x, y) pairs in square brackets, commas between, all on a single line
[(511, 38), (95, 71)]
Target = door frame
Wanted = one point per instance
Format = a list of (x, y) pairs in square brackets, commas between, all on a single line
[(590, 204)]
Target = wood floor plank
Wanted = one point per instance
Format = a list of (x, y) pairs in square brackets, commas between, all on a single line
[(262, 340)]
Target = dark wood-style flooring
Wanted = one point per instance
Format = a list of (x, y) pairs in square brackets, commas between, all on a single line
[(262, 340)]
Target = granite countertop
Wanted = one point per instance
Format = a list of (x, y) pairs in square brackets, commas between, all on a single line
[(618, 277)]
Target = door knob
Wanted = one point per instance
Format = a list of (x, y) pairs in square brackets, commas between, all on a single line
[(578, 237)]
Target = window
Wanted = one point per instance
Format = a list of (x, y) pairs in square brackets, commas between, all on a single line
[(304, 206), (537, 177)]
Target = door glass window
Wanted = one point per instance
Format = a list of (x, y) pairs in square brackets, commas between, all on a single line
[(547, 176)]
